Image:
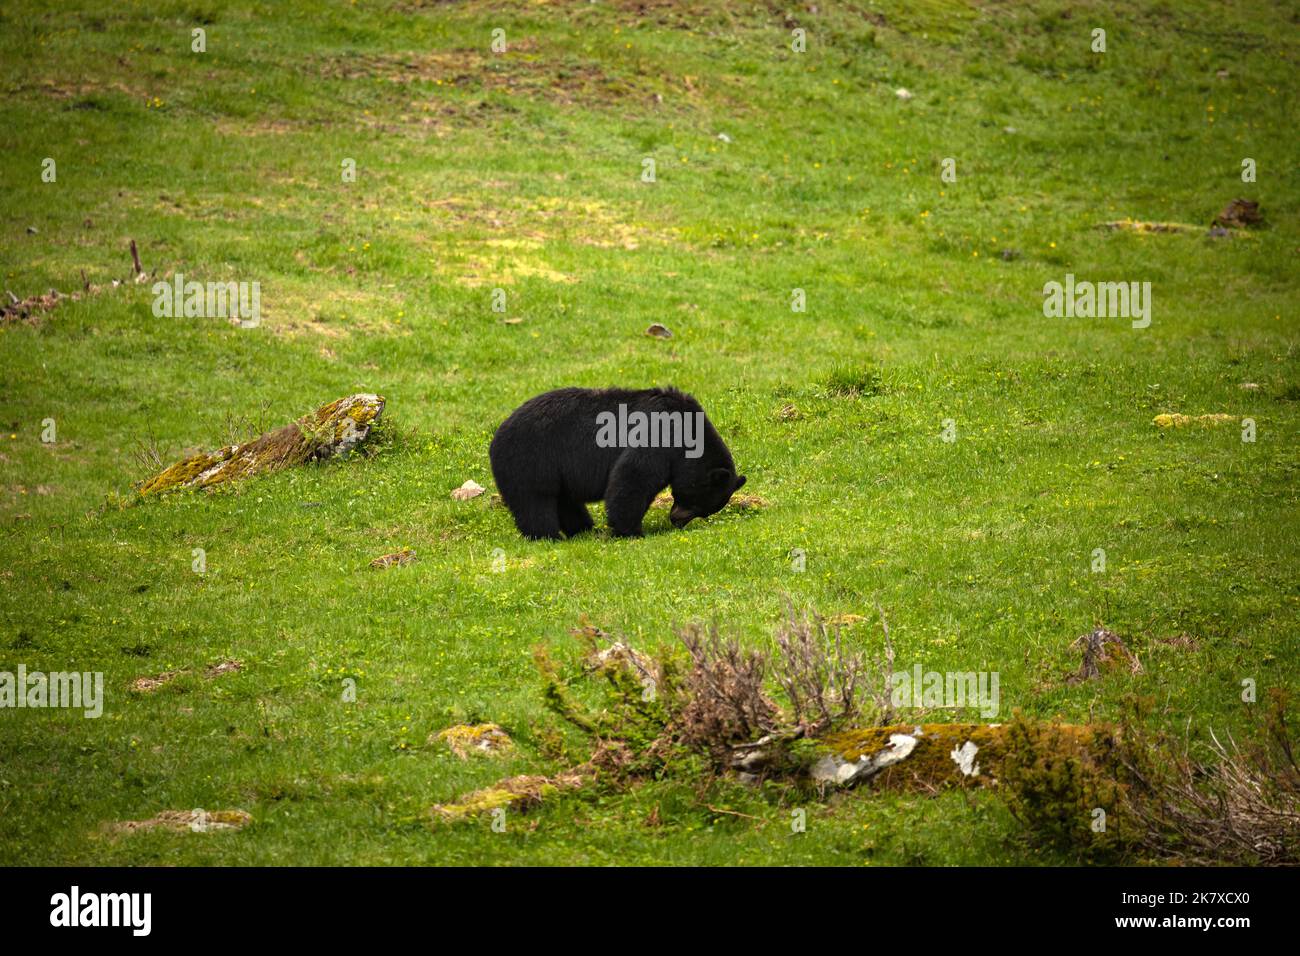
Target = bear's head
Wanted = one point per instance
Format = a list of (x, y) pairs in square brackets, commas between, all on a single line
[(703, 498)]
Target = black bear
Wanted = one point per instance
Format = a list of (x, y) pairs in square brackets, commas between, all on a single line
[(562, 449)]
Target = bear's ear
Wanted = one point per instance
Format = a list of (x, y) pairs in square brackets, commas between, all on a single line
[(740, 480), (719, 477)]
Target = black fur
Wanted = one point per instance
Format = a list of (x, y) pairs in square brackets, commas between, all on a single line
[(548, 466)]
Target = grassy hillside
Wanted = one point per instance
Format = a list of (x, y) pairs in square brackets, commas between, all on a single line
[(523, 171)]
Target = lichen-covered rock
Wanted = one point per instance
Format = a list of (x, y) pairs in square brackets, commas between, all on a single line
[(331, 431), (467, 739), (516, 792), (833, 768), (1179, 420), (1137, 225)]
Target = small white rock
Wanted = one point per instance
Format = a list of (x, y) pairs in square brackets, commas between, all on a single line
[(964, 758), (471, 489), (903, 94), (827, 769), (900, 746)]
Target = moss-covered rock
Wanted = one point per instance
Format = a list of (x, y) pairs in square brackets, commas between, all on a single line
[(331, 431), (518, 793), (930, 756), (475, 739), (1179, 420)]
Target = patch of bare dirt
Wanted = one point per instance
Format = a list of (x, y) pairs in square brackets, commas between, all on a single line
[(524, 69), (396, 559), (195, 821), (147, 685)]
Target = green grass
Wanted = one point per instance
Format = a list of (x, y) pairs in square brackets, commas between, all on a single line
[(522, 172)]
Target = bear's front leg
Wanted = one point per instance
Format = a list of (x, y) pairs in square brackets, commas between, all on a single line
[(633, 484), (537, 518)]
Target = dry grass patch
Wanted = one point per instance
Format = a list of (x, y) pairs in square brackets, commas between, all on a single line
[(399, 558), (526, 68), (182, 821)]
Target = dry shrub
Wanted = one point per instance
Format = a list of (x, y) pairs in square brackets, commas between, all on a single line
[(147, 453), (824, 682), (1103, 651), (715, 700), (726, 704), (1241, 807)]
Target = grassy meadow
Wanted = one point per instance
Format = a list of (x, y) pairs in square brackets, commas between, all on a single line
[(524, 171)]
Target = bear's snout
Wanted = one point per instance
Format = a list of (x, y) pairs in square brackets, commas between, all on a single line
[(679, 516)]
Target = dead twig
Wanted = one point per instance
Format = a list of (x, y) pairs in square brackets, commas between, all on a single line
[(734, 813), (135, 261)]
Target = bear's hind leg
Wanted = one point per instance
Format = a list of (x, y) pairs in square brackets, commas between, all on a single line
[(574, 517)]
